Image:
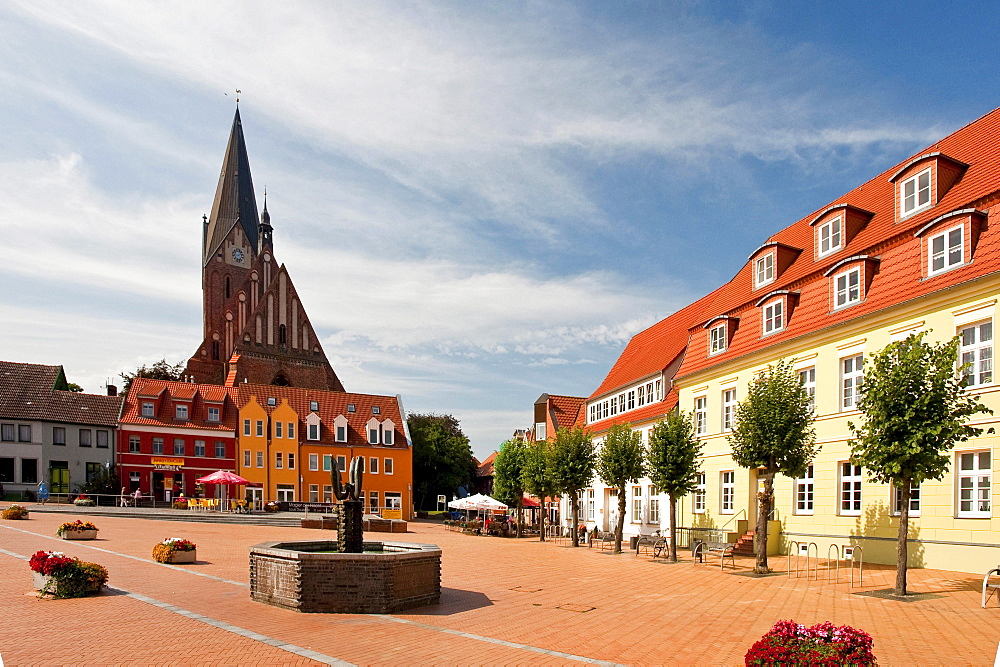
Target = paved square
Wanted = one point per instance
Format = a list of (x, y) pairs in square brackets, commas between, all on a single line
[(503, 602)]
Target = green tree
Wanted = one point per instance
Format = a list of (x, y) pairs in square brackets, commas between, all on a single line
[(672, 463), (772, 433), (75, 388), (573, 462), (103, 482), (620, 463), (915, 408), (537, 478), (508, 477), (161, 370), (442, 458)]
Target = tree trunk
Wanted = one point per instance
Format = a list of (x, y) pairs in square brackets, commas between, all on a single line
[(620, 528), (576, 519), (765, 500), (541, 519), (673, 528), (520, 518), (901, 546)]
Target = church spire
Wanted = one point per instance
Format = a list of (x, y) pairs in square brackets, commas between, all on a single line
[(265, 227), (234, 197)]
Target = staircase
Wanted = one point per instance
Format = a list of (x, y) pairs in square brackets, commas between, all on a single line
[(744, 545)]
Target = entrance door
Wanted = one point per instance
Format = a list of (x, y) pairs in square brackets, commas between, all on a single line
[(59, 477), (610, 509), (256, 497), (158, 485)]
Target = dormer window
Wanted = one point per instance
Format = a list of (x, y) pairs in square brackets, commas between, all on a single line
[(313, 426), (946, 250), (313, 431), (181, 412), (388, 429), (774, 316), (373, 428), (831, 236), (213, 414), (915, 193), (340, 428), (147, 409), (764, 270), (717, 339), (847, 288)]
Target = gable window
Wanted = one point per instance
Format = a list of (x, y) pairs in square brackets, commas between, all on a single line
[(764, 270), (974, 476), (851, 377), (945, 251), (291, 430), (181, 412), (850, 488), (314, 431), (278, 429), (213, 414), (774, 317), (728, 409), (373, 436), (977, 354), (807, 378), (847, 288), (831, 236), (700, 415), (915, 193), (341, 434), (699, 494), (387, 431), (804, 490), (147, 409), (717, 339), (728, 492)]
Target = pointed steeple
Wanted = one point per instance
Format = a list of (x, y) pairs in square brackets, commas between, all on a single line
[(234, 197), (265, 227)]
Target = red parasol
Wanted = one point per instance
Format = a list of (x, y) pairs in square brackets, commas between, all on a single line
[(222, 477)]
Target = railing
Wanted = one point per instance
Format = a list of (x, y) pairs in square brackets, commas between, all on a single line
[(734, 518)]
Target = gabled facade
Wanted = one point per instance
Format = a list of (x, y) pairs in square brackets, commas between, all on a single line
[(553, 412), (50, 434), (255, 327), (916, 248), (171, 433)]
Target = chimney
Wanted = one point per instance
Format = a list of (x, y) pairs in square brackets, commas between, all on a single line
[(112, 390)]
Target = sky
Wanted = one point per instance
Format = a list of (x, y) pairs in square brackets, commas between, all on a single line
[(478, 202)]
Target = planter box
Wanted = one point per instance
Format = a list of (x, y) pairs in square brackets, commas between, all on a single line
[(79, 535), (183, 557), (42, 579)]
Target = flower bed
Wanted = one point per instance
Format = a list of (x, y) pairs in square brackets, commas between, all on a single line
[(83, 501), (175, 550), (14, 512), (789, 643), (77, 530), (66, 577), (180, 504)]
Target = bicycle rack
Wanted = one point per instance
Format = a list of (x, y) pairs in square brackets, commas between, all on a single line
[(855, 550), (798, 552), (829, 564)]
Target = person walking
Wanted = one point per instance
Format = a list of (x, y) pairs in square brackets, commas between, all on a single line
[(43, 491), (124, 499)]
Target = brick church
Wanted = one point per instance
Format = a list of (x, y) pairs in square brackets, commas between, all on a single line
[(256, 328)]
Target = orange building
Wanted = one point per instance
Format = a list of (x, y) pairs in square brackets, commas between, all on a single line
[(290, 439)]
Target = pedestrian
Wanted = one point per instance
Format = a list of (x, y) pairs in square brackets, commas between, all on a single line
[(43, 491), (137, 496), (124, 499)]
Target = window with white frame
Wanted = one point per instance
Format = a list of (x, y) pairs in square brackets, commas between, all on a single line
[(700, 415), (590, 504), (260, 428), (373, 507), (915, 193), (213, 414), (279, 429), (286, 493), (133, 444), (631, 399), (327, 462), (291, 460), (774, 316), (636, 504), (327, 493), (147, 409), (717, 339), (181, 412), (342, 463), (246, 427), (314, 493), (945, 251), (851, 377), (976, 354), (641, 393), (388, 432), (199, 447), (387, 466), (804, 492), (830, 236), (157, 445), (975, 473), (654, 506), (291, 430), (373, 429), (179, 447), (847, 288), (727, 492), (764, 270), (246, 458), (850, 488), (278, 460), (260, 459), (807, 378), (728, 409), (897, 500), (314, 461), (220, 449), (699, 493), (373, 465)]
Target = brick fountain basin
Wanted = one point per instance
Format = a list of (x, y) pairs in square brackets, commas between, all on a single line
[(311, 577)]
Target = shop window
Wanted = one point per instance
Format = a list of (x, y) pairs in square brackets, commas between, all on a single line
[(29, 471)]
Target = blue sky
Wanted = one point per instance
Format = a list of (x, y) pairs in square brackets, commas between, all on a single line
[(478, 202)]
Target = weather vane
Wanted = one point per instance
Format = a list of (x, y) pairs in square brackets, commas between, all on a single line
[(238, 93)]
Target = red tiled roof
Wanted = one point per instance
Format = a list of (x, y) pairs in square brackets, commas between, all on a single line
[(565, 409), (652, 350), (197, 415), (899, 273), (486, 467)]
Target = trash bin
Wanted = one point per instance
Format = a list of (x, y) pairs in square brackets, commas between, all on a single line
[(633, 542)]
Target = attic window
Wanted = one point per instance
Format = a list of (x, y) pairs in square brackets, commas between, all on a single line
[(945, 250), (764, 270), (830, 236), (915, 193), (314, 405), (271, 401), (717, 339), (147, 409), (847, 288), (351, 407), (774, 316), (376, 410), (181, 412)]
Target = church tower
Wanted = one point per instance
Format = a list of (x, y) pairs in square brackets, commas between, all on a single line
[(255, 327)]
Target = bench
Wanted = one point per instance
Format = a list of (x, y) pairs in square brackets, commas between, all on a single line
[(991, 588), (724, 550), (602, 539)]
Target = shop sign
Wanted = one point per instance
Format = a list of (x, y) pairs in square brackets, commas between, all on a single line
[(168, 464), (392, 514)]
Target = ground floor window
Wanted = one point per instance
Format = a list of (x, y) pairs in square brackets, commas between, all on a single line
[(590, 504), (897, 500), (6, 469), (850, 488), (636, 504), (29, 471), (327, 493), (699, 493), (393, 500), (654, 506), (728, 492), (93, 470), (286, 493), (804, 492), (974, 477), (373, 501), (133, 481), (314, 493)]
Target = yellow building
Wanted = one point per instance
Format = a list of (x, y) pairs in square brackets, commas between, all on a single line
[(916, 248)]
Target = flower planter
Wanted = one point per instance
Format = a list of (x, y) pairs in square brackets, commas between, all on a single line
[(42, 579), (79, 535), (183, 557)]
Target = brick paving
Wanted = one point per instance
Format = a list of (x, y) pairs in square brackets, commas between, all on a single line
[(503, 602)]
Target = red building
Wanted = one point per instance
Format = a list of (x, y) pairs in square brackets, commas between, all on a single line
[(172, 433)]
